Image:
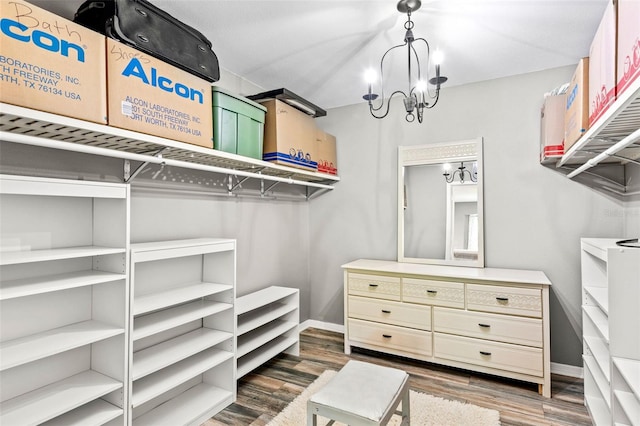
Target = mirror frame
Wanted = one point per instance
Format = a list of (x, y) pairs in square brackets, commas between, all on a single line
[(438, 153)]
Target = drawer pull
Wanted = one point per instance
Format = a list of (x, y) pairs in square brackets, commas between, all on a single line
[(373, 285), (484, 325), (386, 336), (432, 291), (485, 353), (502, 299), (384, 311)]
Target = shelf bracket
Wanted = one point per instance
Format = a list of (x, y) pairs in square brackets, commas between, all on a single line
[(233, 187), (263, 190), (128, 176)]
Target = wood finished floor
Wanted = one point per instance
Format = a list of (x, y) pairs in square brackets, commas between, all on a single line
[(263, 393)]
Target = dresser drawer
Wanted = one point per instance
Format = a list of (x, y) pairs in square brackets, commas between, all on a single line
[(505, 300), (378, 286), (390, 312), (503, 356), (432, 292), (500, 328), (390, 336)]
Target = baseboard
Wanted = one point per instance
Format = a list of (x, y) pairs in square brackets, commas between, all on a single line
[(567, 370), (556, 368), (338, 328)]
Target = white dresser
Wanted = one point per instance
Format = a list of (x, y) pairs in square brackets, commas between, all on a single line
[(489, 320)]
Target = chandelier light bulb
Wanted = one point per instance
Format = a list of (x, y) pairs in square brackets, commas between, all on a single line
[(421, 86), (370, 76), (446, 167), (438, 57)]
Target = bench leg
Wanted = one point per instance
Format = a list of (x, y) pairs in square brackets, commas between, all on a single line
[(406, 408), (312, 420)]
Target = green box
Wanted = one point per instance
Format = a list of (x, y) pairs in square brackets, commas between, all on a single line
[(238, 124)]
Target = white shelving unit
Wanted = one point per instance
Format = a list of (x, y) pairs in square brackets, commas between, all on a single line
[(182, 338), (612, 140), (267, 324), (36, 128), (611, 342), (63, 301)]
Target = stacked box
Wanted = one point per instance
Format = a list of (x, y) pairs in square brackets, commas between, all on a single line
[(289, 136), (576, 117), (602, 65), (51, 64), (552, 126), (628, 50), (326, 153), (150, 96), (238, 124)]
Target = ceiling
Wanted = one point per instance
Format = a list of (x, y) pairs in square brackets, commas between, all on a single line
[(320, 49)]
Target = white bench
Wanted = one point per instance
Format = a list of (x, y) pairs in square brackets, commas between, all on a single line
[(361, 394)]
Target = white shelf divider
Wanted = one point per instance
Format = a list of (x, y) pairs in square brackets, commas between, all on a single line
[(598, 319), (30, 256), (256, 358), (97, 412), (601, 296), (191, 407), (31, 286), (31, 348), (261, 298), (258, 337), (162, 355), (56, 399), (157, 322), (158, 383), (155, 301), (630, 371), (254, 319)]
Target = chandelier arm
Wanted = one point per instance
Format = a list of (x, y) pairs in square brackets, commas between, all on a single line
[(388, 104), (430, 95), (382, 71)]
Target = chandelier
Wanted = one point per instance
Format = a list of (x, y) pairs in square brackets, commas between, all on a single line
[(461, 172), (418, 96)]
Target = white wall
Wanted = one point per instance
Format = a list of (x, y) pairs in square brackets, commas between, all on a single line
[(534, 216)]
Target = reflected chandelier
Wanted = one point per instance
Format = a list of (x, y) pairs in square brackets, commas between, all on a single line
[(418, 96), (461, 172)]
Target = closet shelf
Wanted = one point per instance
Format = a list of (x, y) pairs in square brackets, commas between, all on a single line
[(157, 322), (600, 295), (602, 383), (630, 370), (599, 319), (159, 356), (57, 398), (30, 127), (612, 140), (258, 337), (600, 353), (41, 345), (188, 405), (166, 379), (30, 256), (176, 296), (256, 358), (96, 412), (23, 287)]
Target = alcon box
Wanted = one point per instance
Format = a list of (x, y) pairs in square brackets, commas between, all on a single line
[(576, 116), (150, 96), (51, 64), (602, 65), (628, 51), (326, 152)]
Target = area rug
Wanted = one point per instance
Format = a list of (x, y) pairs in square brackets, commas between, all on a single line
[(426, 410)]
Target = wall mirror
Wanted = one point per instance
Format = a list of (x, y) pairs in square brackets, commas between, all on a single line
[(440, 204)]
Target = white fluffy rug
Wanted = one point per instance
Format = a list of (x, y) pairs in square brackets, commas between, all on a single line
[(426, 410)]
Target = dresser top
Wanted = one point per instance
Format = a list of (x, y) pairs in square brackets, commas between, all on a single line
[(461, 272)]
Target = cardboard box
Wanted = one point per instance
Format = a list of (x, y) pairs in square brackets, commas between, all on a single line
[(628, 51), (238, 124), (326, 153), (576, 116), (289, 136), (552, 126), (602, 65), (150, 96), (51, 64)]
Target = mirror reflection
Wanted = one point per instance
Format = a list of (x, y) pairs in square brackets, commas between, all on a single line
[(440, 204)]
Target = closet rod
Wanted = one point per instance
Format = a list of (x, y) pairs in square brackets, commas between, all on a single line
[(87, 149)]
